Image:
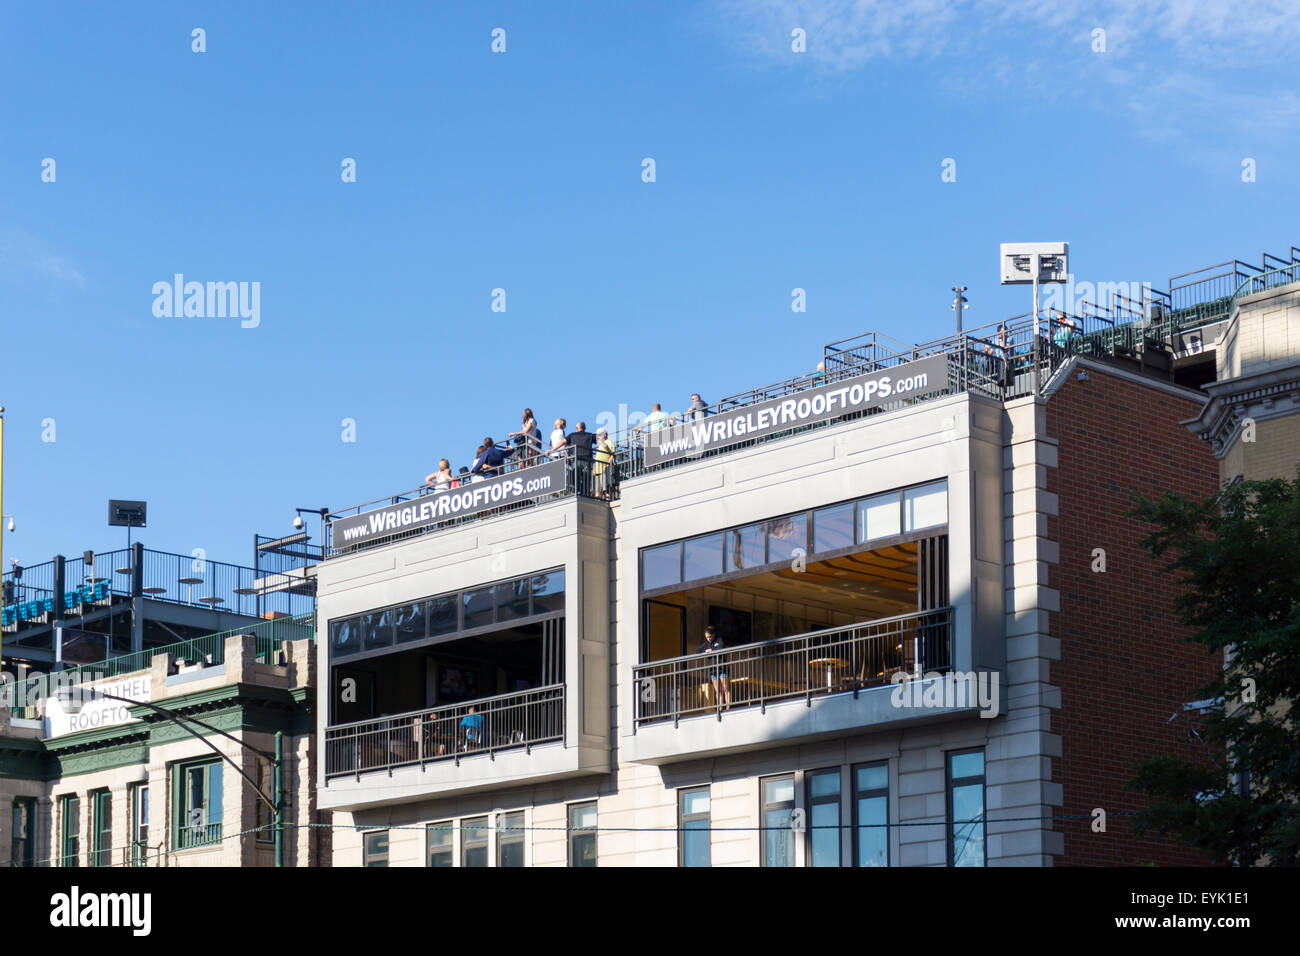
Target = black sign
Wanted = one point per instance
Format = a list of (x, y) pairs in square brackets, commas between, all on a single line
[(126, 514), (912, 379), (523, 485)]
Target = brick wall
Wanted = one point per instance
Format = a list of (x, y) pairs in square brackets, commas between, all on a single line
[(1124, 666)]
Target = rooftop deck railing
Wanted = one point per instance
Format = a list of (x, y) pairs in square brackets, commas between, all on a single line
[(24, 697), (38, 593), (506, 722), (802, 667), (1006, 359)]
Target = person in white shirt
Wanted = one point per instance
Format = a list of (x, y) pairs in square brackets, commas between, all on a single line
[(558, 442)]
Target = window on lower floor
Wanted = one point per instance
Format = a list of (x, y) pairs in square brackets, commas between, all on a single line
[(198, 802), (966, 808), (102, 829), (693, 813), (871, 815), (375, 848), (139, 829), (22, 851), (441, 843), (265, 817), (582, 834), (71, 816), (824, 817), (778, 831), (510, 839), (474, 842)]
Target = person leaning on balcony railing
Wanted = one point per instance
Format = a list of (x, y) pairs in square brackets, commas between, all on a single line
[(699, 409), (490, 459), (581, 441), (605, 469), (717, 673), (528, 440), (559, 446)]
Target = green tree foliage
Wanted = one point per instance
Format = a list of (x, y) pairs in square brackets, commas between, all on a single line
[(1236, 562)]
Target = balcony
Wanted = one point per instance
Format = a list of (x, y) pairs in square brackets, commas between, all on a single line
[(791, 689), (479, 728)]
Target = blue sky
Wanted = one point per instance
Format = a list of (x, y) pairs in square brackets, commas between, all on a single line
[(522, 170)]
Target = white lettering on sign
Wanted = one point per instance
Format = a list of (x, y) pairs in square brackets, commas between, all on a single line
[(97, 713)]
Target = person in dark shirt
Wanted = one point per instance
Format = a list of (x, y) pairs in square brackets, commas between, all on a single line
[(718, 672), (491, 459), (581, 441)]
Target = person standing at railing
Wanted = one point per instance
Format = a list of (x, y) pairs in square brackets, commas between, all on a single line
[(528, 440), (581, 441), (717, 673), (440, 479), (606, 477), (699, 409), (559, 447), (491, 459)]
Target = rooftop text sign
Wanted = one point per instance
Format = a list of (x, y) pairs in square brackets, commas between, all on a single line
[(97, 713), (522, 485), (820, 404)]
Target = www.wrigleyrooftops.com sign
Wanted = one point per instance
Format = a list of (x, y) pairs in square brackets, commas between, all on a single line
[(527, 483), (819, 404)]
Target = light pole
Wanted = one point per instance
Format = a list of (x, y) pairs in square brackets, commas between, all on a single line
[(958, 304), (72, 699)]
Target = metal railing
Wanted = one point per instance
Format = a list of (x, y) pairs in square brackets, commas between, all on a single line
[(189, 837), (25, 696), (1265, 281), (832, 661), (505, 722), (580, 480), (155, 575)]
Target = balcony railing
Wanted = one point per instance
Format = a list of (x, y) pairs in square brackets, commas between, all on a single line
[(187, 838), (63, 586), (833, 661), (24, 696), (506, 722)]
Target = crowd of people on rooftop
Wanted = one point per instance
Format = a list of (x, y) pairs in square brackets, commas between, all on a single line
[(593, 453)]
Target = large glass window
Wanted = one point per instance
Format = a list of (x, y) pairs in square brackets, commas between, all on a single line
[(702, 557), (745, 548), (345, 636), (833, 528), (474, 842), (198, 804), (778, 833), (582, 834), (871, 815), (444, 615), (22, 851), (140, 824), (480, 608), (824, 818), (510, 839), (661, 566), (966, 808), (441, 838), (102, 831), (71, 830), (375, 848), (693, 811), (879, 517), (376, 630), (548, 592), (926, 506), (512, 600), (409, 622), (785, 536), (441, 616)]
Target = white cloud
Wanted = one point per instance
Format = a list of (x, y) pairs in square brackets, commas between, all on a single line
[(24, 256)]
